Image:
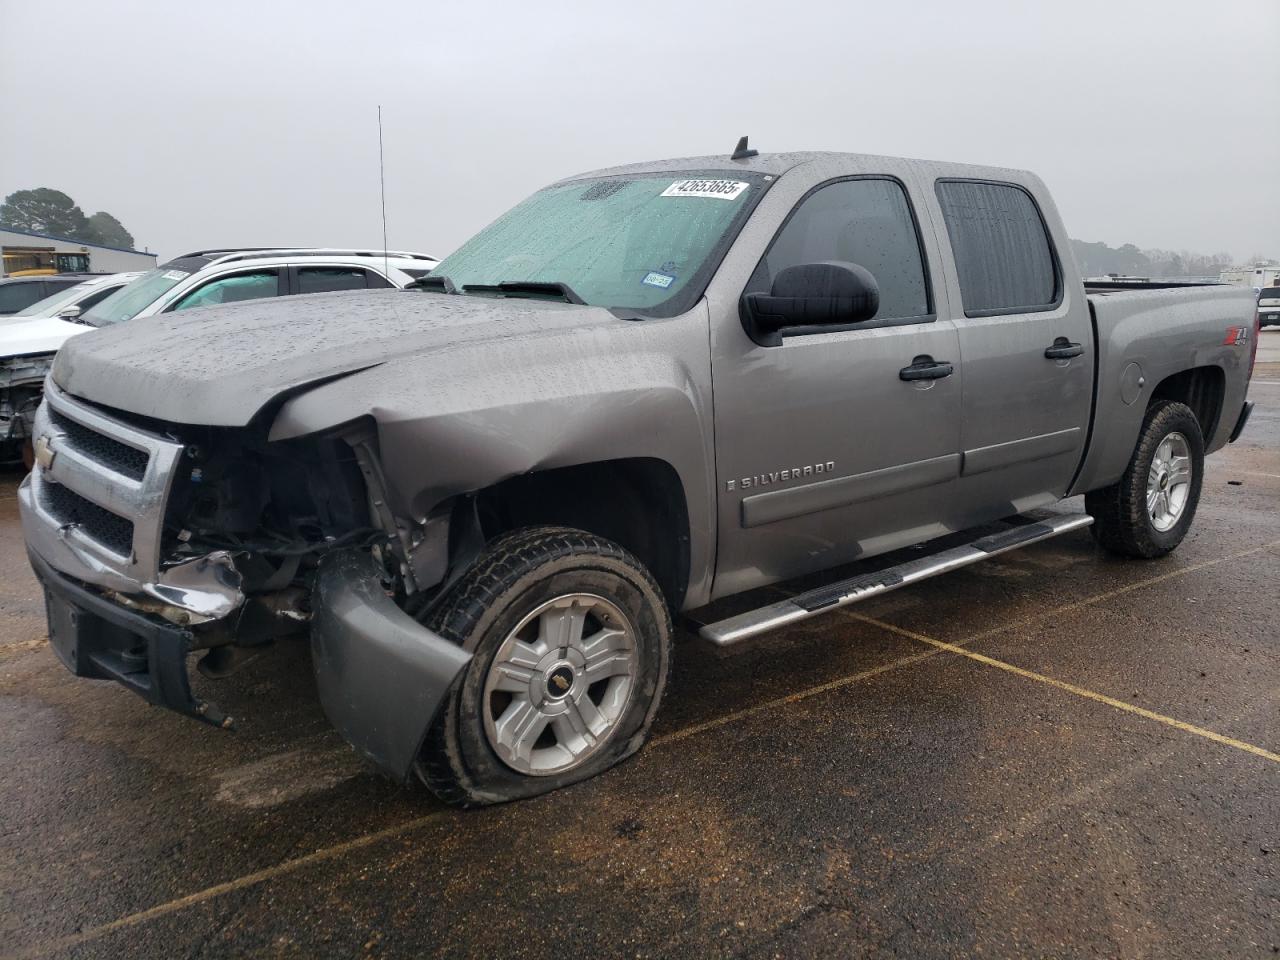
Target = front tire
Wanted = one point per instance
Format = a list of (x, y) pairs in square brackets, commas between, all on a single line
[(571, 643), (1148, 512)]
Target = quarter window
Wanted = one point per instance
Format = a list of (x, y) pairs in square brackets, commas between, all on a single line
[(1002, 251), (867, 222)]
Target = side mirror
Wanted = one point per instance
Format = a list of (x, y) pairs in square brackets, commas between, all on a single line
[(69, 313), (811, 294)]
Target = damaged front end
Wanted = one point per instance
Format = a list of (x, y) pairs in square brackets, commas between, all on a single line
[(155, 541), (21, 380)]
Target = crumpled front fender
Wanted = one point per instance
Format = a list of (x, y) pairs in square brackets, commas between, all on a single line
[(382, 676)]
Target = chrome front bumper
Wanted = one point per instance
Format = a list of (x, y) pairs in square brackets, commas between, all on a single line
[(93, 508)]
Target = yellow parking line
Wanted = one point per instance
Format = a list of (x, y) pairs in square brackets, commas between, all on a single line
[(790, 698), (328, 853), (231, 886), (1118, 592), (1073, 688)]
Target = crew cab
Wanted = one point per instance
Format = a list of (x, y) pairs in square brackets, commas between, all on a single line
[(642, 389)]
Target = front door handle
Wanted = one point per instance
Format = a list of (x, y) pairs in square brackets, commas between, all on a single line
[(1063, 349), (926, 368)]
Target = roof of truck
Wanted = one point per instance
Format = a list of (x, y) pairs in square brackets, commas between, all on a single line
[(779, 163)]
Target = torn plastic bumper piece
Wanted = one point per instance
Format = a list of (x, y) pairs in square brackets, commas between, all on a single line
[(382, 676), (94, 637)]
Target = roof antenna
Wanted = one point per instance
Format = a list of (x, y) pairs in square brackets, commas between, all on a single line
[(382, 183), (741, 152)]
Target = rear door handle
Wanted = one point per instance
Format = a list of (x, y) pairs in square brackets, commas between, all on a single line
[(1063, 349), (926, 368)]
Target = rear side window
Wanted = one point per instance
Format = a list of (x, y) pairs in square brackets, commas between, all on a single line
[(867, 222), (328, 279), (1002, 250)]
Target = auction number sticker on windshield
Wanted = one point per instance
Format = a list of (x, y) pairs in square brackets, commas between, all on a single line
[(175, 274), (716, 189)]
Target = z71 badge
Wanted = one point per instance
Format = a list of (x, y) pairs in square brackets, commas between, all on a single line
[(778, 476)]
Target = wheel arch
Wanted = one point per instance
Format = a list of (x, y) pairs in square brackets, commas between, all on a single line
[(638, 503), (1200, 388)]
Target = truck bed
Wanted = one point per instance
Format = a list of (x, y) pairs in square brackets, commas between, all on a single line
[(1147, 332)]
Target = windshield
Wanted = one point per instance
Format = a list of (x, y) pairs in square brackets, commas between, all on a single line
[(646, 243), (134, 297), (50, 306)]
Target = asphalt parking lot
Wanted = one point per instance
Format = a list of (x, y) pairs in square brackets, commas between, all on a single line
[(1052, 754)]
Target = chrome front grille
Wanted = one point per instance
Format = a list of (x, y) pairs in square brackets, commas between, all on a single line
[(94, 504), (101, 449), (71, 509)]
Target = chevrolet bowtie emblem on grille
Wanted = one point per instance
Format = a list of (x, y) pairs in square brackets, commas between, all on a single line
[(45, 452)]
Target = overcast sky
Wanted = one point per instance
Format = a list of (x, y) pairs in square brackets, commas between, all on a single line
[(203, 124)]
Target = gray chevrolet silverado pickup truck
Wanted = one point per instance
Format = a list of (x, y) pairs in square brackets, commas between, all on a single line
[(640, 390)]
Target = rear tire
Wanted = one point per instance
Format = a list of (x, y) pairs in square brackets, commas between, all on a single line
[(571, 642), (1149, 510)]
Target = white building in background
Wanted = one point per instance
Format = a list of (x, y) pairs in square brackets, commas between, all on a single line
[(1264, 273), (34, 253)]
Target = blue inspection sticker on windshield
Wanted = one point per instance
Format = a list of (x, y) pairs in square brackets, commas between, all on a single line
[(655, 279)]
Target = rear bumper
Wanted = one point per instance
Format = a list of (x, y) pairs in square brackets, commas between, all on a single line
[(1240, 422)]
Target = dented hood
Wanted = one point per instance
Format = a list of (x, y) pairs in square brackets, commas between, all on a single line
[(218, 366)]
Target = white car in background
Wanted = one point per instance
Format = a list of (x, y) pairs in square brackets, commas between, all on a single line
[(69, 303), (1269, 306), (208, 277), (198, 279), (28, 340)]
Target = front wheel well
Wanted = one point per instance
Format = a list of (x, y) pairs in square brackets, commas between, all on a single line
[(637, 503), (1200, 388)]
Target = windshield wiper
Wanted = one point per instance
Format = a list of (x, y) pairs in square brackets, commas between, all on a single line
[(436, 282), (533, 289)]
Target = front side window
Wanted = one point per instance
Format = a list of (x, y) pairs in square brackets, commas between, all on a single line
[(865, 221), (241, 286), (647, 242), (1003, 256)]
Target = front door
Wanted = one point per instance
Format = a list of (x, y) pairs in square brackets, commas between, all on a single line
[(825, 448), (1026, 342)]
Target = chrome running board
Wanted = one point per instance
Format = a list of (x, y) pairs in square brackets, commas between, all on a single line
[(844, 592)]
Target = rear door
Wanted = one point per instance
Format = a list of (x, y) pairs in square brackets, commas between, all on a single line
[(1026, 343)]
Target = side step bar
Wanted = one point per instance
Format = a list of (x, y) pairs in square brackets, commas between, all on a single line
[(844, 592)]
